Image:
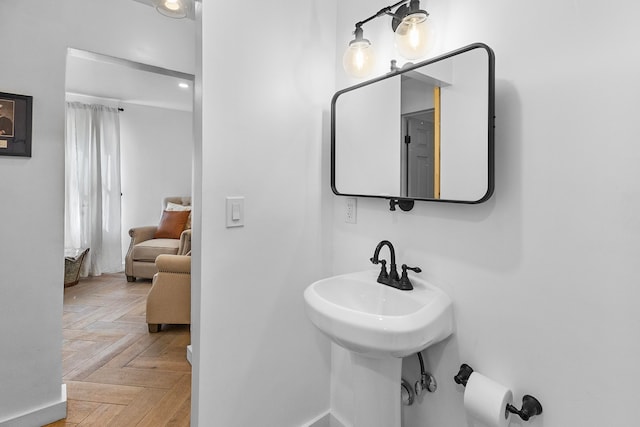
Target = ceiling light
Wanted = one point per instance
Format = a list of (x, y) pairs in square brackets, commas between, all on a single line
[(183, 85), (172, 8), (172, 5)]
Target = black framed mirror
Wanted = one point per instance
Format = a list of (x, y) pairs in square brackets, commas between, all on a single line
[(424, 132)]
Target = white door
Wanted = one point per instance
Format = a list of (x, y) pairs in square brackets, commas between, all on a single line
[(419, 155)]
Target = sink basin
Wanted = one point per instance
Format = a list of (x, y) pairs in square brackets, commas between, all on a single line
[(378, 325), (376, 320)]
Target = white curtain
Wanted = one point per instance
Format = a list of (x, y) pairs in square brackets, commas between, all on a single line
[(92, 186)]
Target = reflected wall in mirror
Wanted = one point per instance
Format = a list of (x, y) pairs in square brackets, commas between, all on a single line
[(425, 132)]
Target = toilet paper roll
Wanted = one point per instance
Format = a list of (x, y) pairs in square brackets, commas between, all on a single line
[(486, 401)]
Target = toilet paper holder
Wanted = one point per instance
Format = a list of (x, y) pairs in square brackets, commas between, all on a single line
[(530, 405)]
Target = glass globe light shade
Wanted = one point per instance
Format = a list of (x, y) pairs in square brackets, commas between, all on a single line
[(359, 58), (412, 36)]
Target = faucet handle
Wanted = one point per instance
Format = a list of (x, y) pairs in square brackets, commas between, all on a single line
[(405, 283), (383, 270), (414, 269)]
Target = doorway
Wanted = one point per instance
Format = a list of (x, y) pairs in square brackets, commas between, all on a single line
[(107, 348)]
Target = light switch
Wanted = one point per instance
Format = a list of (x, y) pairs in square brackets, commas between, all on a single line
[(235, 211)]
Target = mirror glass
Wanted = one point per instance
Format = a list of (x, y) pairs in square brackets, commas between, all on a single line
[(424, 132)]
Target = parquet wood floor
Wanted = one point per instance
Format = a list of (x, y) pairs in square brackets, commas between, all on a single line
[(116, 372)]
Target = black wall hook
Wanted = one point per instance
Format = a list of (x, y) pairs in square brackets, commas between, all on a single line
[(530, 405)]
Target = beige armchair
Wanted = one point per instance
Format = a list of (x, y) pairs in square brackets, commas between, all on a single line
[(169, 300), (144, 247)]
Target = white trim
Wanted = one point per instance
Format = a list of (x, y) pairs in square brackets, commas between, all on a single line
[(44, 415)]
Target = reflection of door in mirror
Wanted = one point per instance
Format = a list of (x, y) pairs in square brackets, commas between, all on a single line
[(420, 169), (419, 166)]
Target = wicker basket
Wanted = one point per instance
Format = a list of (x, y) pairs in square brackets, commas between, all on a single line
[(72, 266)]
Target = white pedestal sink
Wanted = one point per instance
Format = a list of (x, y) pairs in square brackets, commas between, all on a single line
[(379, 325)]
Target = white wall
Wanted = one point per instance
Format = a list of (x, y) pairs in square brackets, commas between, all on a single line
[(32, 227), (257, 358), (156, 150), (542, 275)]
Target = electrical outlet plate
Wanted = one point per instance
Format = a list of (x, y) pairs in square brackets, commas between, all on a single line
[(351, 211)]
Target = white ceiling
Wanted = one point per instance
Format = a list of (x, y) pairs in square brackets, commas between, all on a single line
[(124, 81)]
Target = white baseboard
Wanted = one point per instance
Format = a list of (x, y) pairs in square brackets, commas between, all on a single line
[(41, 416), (189, 354), (325, 420)]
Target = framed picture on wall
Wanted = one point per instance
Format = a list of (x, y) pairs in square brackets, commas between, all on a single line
[(15, 124)]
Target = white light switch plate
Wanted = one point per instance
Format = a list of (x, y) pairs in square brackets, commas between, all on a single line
[(235, 211)]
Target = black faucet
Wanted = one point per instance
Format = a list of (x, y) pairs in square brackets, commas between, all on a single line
[(391, 278)]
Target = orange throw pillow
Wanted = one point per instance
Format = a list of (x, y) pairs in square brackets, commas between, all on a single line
[(172, 224)]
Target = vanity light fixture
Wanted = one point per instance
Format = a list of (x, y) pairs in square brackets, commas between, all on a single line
[(172, 8), (411, 28)]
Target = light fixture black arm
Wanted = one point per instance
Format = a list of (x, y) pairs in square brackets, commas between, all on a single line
[(381, 12)]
